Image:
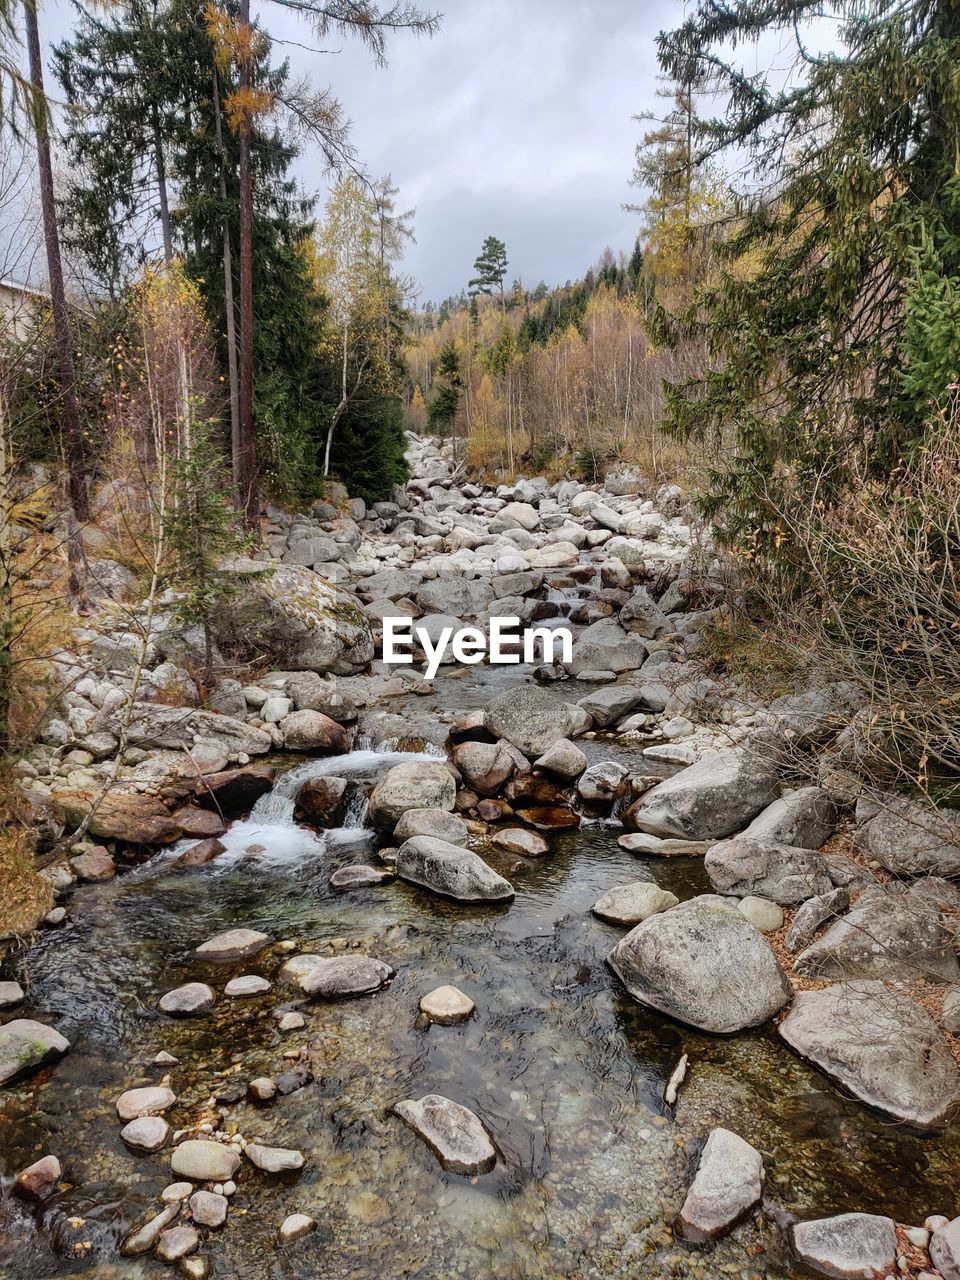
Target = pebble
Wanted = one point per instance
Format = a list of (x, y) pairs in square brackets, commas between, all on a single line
[(39, 1180), (235, 944), (291, 1021), (144, 1102), (204, 1161), (249, 985), (274, 1159), (164, 1059), (262, 1089), (11, 993), (295, 1227), (195, 1268), (175, 1192), (176, 1243), (208, 1209), (144, 1238), (146, 1133), (446, 1005), (918, 1236)]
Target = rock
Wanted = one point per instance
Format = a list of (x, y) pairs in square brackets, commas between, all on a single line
[(176, 1243), (235, 944), (603, 782), (454, 1134), (323, 801), (450, 871), (39, 1180), (551, 817), (812, 914), (147, 1133), (807, 718), (885, 935), (292, 615), (11, 993), (709, 800), (274, 1159), (520, 841), (143, 1239), (643, 616), (806, 819), (144, 1102), (655, 846), (880, 1046), (209, 1209), (234, 791), (851, 1246), (945, 1250), (26, 1046), (250, 984), (951, 1011), (120, 815), (313, 731), (295, 1227), (175, 1192), (564, 760), (291, 1021), (417, 784), (779, 872), (762, 914), (458, 597), (704, 964), (154, 725), (529, 719), (432, 822), (360, 876), (728, 1184), (630, 904), (189, 1000), (446, 1005), (607, 706), (908, 840), (199, 854), (339, 977), (202, 1161), (485, 765), (96, 864)]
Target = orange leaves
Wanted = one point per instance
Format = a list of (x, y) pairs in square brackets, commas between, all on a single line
[(233, 42), (244, 104)]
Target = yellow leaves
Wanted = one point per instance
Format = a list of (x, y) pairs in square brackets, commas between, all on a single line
[(233, 42), (243, 105)]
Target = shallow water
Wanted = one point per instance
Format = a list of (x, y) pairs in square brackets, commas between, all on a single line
[(564, 1068)]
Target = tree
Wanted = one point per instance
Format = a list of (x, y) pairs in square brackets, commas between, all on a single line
[(491, 268), (829, 294), (447, 387)]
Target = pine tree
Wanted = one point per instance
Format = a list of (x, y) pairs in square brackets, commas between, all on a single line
[(447, 387), (491, 268)]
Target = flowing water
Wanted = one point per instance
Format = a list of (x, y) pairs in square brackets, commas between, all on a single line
[(565, 1069)]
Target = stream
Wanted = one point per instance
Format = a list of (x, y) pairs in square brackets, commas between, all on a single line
[(565, 1069)]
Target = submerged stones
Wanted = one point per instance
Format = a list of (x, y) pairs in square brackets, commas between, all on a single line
[(26, 1046), (448, 870), (360, 876), (446, 1006), (295, 1226), (850, 1246), (454, 1134), (235, 944), (144, 1102), (728, 1184), (208, 1209), (520, 841), (188, 1001), (702, 963), (204, 1161), (250, 984), (146, 1133), (142, 1239)]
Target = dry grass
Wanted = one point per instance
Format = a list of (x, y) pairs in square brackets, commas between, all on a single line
[(25, 897)]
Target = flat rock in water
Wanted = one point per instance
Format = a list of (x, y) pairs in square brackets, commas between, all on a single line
[(881, 1046), (658, 847), (851, 1246), (146, 1133), (727, 1186), (450, 871), (629, 904), (142, 1239), (250, 984), (204, 1161), (338, 977), (176, 1243), (453, 1133), (360, 876), (144, 1102), (39, 1180), (708, 800), (520, 841), (295, 1227), (431, 822), (274, 1159), (446, 1005), (235, 944), (11, 993), (413, 784), (189, 1000), (702, 963), (208, 1208), (26, 1046)]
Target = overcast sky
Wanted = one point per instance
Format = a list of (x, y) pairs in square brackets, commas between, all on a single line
[(514, 120)]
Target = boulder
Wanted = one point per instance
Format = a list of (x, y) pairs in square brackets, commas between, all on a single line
[(643, 616), (234, 791), (728, 1184), (762, 914), (851, 1246), (780, 872), (274, 1159), (93, 865), (564, 760), (945, 1250), (446, 1005), (520, 841), (711, 799), (323, 801), (341, 977), (313, 731), (603, 782), (702, 963), (605, 646), (431, 822), (805, 819), (417, 784), (26, 1046), (127, 816), (814, 913), (450, 871), (459, 597), (144, 1102), (550, 817), (908, 840), (629, 904), (204, 823), (39, 1180), (811, 717), (203, 1161), (235, 944), (188, 1001), (878, 1045), (153, 725), (454, 1134), (199, 854), (528, 718), (486, 766), (606, 706)]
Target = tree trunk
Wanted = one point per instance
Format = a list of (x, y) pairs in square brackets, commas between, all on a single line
[(232, 373), (73, 435), (338, 412), (6, 586), (162, 187), (248, 455)]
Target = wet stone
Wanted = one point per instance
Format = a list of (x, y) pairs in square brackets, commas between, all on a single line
[(39, 1180), (144, 1102), (727, 1186), (189, 1000), (196, 1267), (11, 993), (208, 1209), (360, 876), (25, 1046), (295, 1227), (250, 984), (290, 1081), (848, 1247), (204, 1161), (453, 1133), (629, 904), (176, 1243), (235, 944), (175, 1192), (144, 1238), (291, 1021), (263, 1089), (274, 1159), (146, 1133), (339, 977), (520, 841), (446, 1006)]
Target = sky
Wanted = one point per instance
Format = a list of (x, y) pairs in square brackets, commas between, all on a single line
[(514, 120)]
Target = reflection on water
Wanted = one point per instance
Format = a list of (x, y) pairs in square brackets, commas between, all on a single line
[(563, 1067)]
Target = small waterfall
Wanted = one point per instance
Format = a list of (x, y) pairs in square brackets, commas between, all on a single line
[(273, 809), (357, 809)]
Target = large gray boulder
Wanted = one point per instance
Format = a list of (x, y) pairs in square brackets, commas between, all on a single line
[(453, 1133), (728, 1184), (806, 818), (806, 718), (529, 719), (293, 616), (851, 1246), (605, 646), (886, 935), (340, 977), (781, 872), (643, 616), (26, 1046), (711, 799), (176, 729), (414, 784), (432, 822), (703, 963), (945, 1250), (908, 840), (450, 871), (878, 1045), (607, 706), (461, 597)]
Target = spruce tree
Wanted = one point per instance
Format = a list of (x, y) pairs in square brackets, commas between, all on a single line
[(491, 268)]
